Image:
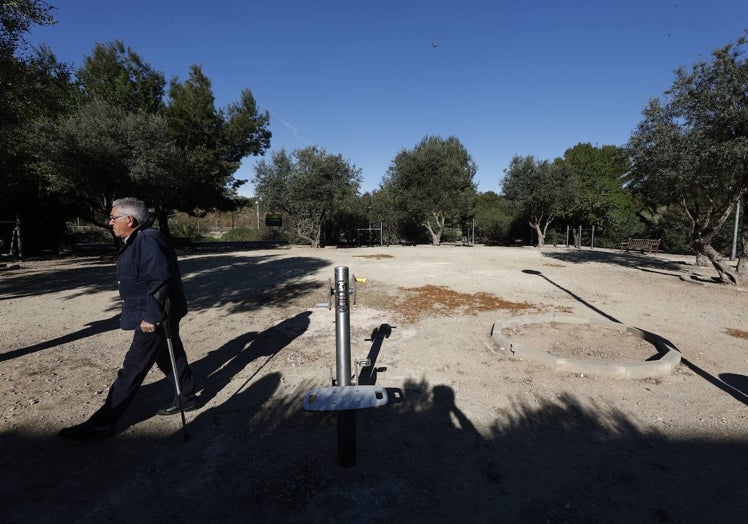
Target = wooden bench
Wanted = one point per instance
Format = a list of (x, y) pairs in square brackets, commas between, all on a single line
[(651, 245)]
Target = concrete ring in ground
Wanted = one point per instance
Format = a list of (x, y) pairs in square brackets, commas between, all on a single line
[(669, 356)]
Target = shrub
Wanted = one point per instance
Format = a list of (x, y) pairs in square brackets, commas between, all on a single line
[(240, 234), (185, 230)]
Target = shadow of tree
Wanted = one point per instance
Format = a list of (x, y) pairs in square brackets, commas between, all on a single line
[(87, 276), (237, 281), (651, 263), (419, 460), (243, 283)]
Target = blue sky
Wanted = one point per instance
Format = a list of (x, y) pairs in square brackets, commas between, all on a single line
[(365, 80)]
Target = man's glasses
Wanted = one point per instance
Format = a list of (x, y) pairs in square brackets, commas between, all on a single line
[(113, 218)]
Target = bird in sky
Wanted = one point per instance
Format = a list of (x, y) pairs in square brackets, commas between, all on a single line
[(434, 44)]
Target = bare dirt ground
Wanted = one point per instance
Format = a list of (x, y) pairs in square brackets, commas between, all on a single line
[(472, 433)]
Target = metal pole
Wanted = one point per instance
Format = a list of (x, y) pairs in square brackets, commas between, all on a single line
[(346, 418), (579, 239), (257, 203), (18, 237), (343, 397), (342, 328), (592, 240), (735, 231)]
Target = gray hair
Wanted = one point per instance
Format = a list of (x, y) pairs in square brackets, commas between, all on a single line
[(132, 207)]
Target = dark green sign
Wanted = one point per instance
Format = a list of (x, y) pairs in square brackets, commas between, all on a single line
[(273, 220)]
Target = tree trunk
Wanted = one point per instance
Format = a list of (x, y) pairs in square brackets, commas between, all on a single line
[(318, 238), (540, 232), (742, 264), (313, 240), (701, 260), (727, 275), (436, 235), (743, 254), (163, 221), (309, 229), (703, 233)]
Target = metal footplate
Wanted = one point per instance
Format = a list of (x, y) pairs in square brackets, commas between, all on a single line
[(344, 398)]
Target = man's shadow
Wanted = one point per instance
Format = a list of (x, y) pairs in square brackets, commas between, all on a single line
[(445, 411), (248, 400), (216, 370)]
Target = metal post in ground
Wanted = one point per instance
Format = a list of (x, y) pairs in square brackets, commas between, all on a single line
[(344, 397), (18, 236), (346, 418), (342, 328)]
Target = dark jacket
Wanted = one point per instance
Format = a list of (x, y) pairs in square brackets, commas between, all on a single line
[(147, 273)]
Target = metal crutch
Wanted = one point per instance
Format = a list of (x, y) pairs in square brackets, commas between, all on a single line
[(177, 387)]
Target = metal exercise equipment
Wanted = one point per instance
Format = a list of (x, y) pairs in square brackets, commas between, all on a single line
[(344, 396), (15, 240)]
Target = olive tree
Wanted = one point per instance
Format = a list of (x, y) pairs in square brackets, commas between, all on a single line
[(432, 184), (309, 185), (691, 148), (541, 190), (600, 196)]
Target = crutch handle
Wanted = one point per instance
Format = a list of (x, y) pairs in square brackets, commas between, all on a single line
[(167, 319)]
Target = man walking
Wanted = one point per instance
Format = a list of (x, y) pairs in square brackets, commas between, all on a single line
[(147, 274)]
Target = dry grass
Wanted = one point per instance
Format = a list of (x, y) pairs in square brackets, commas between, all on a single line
[(444, 301), (737, 333), (377, 256)]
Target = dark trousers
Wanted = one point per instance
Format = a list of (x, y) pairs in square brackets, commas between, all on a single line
[(146, 349)]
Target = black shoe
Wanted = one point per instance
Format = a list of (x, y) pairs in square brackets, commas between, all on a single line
[(187, 405), (87, 431)]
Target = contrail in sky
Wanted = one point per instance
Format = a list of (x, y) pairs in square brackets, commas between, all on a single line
[(291, 127)]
